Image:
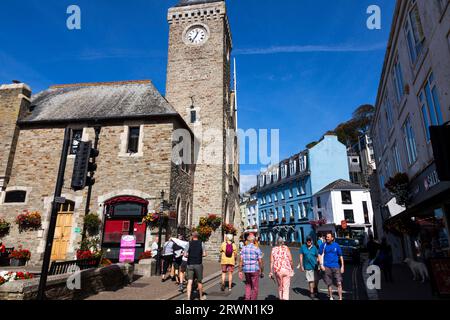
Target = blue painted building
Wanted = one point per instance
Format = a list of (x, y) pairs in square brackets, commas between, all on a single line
[(285, 191)]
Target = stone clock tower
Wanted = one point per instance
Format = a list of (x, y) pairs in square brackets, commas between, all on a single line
[(198, 87)]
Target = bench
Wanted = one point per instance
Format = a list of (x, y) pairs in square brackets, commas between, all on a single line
[(4, 257), (63, 267)]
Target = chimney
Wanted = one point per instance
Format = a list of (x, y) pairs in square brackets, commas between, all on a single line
[(15, 100)]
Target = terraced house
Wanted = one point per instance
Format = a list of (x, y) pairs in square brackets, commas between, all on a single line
[(414, 94), (285, 190)]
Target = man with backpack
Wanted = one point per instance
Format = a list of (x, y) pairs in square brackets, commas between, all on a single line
[(228, 252)]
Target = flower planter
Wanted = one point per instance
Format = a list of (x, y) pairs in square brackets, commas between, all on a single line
[(17, 262)]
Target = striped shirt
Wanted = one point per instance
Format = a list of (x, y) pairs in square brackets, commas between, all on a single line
[(250, 256)]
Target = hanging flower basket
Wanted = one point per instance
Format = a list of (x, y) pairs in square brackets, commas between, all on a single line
[(204, 232), (152, 220), (29, 220), (229, 229), (214, 221), (4, 227), (398, 186)]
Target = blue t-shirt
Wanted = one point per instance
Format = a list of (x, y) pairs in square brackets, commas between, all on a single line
[(309, 257), (332, 253)]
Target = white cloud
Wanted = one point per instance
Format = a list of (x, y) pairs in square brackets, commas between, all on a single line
[(311, 48)]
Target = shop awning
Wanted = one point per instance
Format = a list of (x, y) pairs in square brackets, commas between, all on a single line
[(126, 199)]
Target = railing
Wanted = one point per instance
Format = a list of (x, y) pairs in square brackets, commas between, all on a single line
[(68, 266)]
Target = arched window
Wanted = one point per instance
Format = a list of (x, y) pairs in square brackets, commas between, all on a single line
[(179, 215)]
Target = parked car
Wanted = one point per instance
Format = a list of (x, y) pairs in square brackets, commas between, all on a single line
[(351, 249)]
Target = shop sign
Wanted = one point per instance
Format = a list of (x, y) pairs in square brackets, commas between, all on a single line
[(431, 180), (127, 248)]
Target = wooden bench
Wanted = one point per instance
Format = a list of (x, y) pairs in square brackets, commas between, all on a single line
[(69, 266)]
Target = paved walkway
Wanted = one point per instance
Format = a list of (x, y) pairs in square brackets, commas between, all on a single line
[(153, 288), (403, 287)]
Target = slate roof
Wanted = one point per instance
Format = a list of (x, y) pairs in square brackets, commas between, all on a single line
[(342, 185), (109, 100), (183, 3)]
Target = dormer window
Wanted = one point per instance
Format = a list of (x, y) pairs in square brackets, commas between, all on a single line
[(283, 171), (261, 180), (292, 167), (303, 164), (276, 174), (268, 177)]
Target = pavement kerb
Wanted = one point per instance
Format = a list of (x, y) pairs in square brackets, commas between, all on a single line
[(206, 280), (372, 294)]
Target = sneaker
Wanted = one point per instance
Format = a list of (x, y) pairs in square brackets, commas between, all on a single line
[(331, 298), (203, 297), (229, 289), (181, 288)]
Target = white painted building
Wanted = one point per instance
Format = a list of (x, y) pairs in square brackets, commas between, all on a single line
[(344, 201)]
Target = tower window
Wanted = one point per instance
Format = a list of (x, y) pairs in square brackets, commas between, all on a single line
[(193, 116), (133, 140)]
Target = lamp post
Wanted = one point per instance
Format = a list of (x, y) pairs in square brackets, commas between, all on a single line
[(160, 220)]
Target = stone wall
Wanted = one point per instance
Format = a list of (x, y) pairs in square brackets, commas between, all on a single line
[(92, 281), (36, 165), (14, 103)]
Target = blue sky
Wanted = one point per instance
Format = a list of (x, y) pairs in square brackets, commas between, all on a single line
[(303, 65)]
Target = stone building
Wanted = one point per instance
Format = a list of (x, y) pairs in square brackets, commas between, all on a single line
[(139, 129), (413, 95)]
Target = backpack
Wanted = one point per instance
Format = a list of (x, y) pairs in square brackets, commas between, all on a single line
[(229, 250)]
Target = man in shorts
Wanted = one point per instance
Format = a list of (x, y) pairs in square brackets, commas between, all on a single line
[(195, 251), (308, 264), (330, 255)]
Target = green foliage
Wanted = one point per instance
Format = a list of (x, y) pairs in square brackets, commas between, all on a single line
[(398, 186), (92, 224)]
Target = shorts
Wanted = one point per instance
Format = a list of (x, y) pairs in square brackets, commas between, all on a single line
[(332, 275), (183, 266), (227, 268), (177, 263), (311, 275), (195, 271)]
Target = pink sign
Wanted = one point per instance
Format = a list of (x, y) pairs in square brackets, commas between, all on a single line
[(127, 249)]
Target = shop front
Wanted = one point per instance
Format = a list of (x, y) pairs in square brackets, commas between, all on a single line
[(123, 216), (426, 220)]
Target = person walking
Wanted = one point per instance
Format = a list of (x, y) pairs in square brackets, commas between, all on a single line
[(167, 259), (251, 265), (330, 255), (385, 260), (320, 240), (179, 249), (195, 252), (372, 248), (309, 257), (154, 248), (228, 251), (281, 264)]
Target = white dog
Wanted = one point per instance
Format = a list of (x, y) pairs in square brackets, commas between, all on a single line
[(418, 269)]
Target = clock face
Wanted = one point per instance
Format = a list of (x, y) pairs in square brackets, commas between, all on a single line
[(196, 35)]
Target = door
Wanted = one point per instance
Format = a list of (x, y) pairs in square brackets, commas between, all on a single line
[(63, 231)]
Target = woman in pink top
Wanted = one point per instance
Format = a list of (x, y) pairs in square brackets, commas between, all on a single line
[(282, 266)]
